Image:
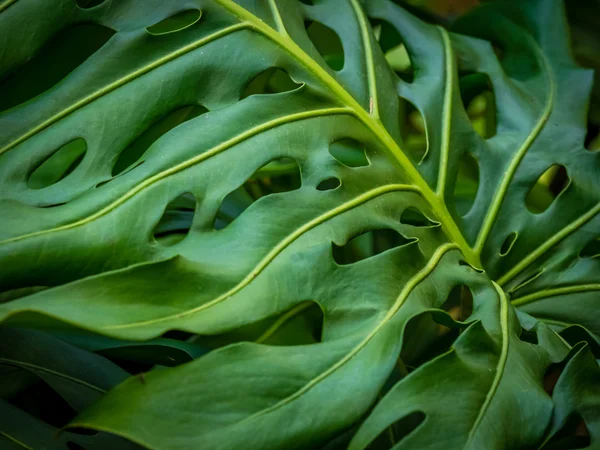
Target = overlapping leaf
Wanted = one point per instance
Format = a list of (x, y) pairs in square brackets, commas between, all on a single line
[(85, 244)]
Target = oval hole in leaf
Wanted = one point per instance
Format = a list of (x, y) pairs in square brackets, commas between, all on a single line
[(459, 304), (393, 48), (271, 81), (87, 4), (466, 264), (425, 338), (349, 152), (175, 23), (479, 102), (548, 186), (529, 336), (60, 164), (301, 325), (276, 177), (367, 244), (307, 2), (508, 243), (413, 217), (529, 279), (74, 446), (327, 42), (176, 221), (137, 148), (467, 184), (413, 130), (399, 430), (329, 184), (62, 54), (591, 250)]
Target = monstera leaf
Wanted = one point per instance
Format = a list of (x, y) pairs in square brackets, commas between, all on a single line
[(298, 185)]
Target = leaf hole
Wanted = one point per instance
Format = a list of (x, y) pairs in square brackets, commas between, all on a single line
[(301, 325), (459, 304), (529, 336), (573, 435), (479, 103), (271, 81), (413, 130), (470, 266), (591, 250), (278, 176), (425, 337), (397, 431), (129, 158), (349, 152), (467, 184), (547, 188), (62, 54), (508, 243), (87, 4), (59, 165), (176, 221), (327, 43), (175, 23), (368, 244), (415, 218), (393, 48), (126, 171), (74, 446), (41, 401), (306, 2), (51, 205), (529, 279), (329, 184)]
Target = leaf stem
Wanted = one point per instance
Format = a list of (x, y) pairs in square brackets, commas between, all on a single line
[(373, 124)]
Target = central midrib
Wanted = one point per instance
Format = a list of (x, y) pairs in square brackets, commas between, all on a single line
[(372, 123)]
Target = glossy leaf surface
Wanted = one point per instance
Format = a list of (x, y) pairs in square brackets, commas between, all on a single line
[(218, 226)]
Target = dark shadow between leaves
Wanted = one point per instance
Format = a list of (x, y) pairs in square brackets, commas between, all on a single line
[(397, 431), (591, 250), (573, 435), (62, 54)]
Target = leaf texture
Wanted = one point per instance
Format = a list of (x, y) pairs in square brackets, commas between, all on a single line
[(147, 229)]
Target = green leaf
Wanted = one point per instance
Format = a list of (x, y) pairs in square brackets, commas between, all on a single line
[(79, 377), (19, 430), (194, 223)]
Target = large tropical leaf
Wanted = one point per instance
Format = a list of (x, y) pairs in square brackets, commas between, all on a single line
[(139, 138)]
